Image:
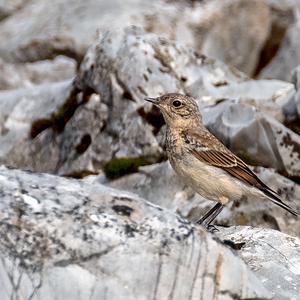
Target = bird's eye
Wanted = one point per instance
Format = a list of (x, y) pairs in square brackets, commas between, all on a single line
[(177, 103)]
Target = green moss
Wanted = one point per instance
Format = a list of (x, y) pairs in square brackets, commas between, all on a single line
[(248, 159), (118, 167)]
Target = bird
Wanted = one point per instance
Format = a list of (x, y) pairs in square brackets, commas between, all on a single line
[(204, 163)]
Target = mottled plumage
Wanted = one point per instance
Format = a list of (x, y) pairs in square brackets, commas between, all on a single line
[(203, 162)]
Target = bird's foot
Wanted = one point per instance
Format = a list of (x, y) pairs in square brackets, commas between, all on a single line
[(210, 228)]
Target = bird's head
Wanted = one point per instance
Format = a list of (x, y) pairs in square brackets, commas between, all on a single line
[(178, 110)]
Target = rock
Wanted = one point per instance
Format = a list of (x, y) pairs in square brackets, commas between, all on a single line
[(19, 109), (15, 76), (88, 132), (92, 130), (208, 27), (156, 66), (63, 34), (63, 238), (268, 96), (8, 7), (237, 41), (273, 256), (296, 96), (160, 185), (265, 141), (282, 17), (287, 58)]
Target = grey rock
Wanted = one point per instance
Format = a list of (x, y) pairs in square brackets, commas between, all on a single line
[(62, 32), (160, 185), (119, 123), (295, 99), (287, 58), (272, 97), (8, 7), (63, 239), (255, 136), (15, 76), (156, 66), (273, 256), (20, 108), (124, 67), (208, 27), (237, 41)]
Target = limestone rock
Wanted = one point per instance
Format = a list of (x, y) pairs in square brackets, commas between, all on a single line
[(237, 41), (8, 7), (19, 109), (63, 34), (287, 58), (295, 99), (65, 238), (273, 256), (16, 76), (123, 67), (255, 136), (271, 97), (208, 27)]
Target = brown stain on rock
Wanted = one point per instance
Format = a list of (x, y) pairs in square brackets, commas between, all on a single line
[(288, 141)]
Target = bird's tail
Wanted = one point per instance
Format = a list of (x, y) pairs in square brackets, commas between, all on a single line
[(275, 199)]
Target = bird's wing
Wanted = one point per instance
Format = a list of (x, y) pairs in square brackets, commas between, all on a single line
[(229, 163), (223, 158)]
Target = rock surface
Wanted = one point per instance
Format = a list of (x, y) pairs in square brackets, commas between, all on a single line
[(288, 56), (240, 45), (16, 76), (205, 26), (64, 238), (254, 136), (273, 256), (123, 67), (249, 41), (8, 7), (18, 110)]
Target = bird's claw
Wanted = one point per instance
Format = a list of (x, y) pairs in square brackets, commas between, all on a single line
[(211, 228)]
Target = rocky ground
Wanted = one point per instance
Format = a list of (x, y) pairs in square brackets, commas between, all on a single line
[(120, 226)]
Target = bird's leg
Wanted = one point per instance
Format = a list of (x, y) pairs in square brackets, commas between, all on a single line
[(210, 216)]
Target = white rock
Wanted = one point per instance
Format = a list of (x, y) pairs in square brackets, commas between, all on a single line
[(16, 76), (97, 242), (273, 256)]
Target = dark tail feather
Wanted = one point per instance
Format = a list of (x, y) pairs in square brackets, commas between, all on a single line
[(275, 199)]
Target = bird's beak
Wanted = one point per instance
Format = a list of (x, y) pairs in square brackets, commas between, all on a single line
[(152, 100)]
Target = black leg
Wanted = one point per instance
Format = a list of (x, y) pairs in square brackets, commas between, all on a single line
[(210, 216)]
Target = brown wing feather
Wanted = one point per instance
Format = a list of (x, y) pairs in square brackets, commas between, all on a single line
[(225, 159), (229, 163)]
